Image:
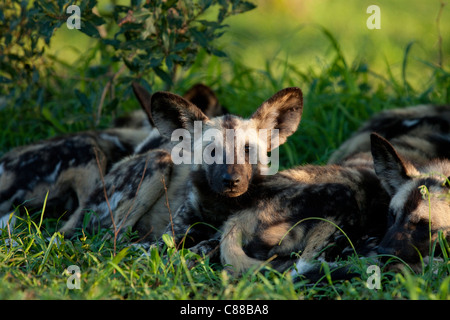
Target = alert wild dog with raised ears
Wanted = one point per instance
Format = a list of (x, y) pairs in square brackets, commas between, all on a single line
[(218, 188), (420, 205), (135, 192), (290, 217)]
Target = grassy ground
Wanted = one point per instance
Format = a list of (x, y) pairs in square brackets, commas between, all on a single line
[(341, 91)]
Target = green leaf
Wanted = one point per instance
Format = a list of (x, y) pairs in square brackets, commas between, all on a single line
[(119, 257), (5, 80), (133, 65), (111, 106), (168, 240), (199, 37), (242, 6), (205, 4), (169, 63), (181, 46), (47, 114), (96, 20), (218, 53), (83, 99), (88, 28), (155, 62), (168, 4), (112, 42), (163, 75)]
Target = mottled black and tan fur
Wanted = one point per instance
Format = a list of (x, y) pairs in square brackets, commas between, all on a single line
[(415, 159), (420, 205), (293, 217), (66, 167), (410, 127), (142, 190), (217, 190), (349, 195)]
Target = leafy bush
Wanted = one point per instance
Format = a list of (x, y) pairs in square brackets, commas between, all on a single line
[(148, 41)]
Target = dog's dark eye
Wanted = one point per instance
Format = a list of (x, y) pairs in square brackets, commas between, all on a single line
[(247, 148)]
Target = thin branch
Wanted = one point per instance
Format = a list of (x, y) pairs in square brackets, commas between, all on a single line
[(105, 91)]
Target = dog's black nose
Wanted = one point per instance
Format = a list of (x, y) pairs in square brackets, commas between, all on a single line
[(230, 180)]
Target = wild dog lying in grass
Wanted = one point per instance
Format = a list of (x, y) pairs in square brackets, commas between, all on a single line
[(419, 134), (234, 162), (413, 124), (420, 205), (69, 167), (294, 214), (66, 167), (142, 190), (290, 215)]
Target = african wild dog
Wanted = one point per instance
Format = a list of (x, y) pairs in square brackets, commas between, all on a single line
[(419, 134), (420, 205), (217, 189), (414, 124), (293, 216), (349, 195), (66, 167), (134, 194), (69, 167)]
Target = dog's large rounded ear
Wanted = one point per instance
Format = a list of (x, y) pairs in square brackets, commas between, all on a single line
[(144, 97), (170, 112), (283, 112), (205, 99), (389, 166)]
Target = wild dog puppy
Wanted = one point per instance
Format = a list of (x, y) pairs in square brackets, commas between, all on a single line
[(411, 123), (66, 167), (294, 214), (142, 190), (234, 164), (420, 205)]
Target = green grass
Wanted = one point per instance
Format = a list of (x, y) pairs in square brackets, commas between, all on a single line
[(340, 90), (33, 266), (337, 100)]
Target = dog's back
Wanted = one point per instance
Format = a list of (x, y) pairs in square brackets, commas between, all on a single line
[(66, 167), (297, 211), (411, 127)]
